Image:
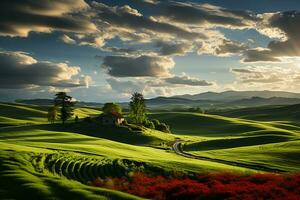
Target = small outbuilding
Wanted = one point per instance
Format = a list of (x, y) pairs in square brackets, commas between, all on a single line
[(112, 118)]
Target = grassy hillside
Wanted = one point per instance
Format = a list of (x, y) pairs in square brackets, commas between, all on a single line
[(43, 161), (290, 113), (50, 160), (20, 114), (59, 164), (216, 125), (266, 143)]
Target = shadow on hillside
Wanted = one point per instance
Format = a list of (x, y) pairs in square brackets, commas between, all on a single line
[(120, 134), (191, 124), (236, 142)]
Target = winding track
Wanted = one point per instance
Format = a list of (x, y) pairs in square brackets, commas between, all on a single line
[(177, 148)]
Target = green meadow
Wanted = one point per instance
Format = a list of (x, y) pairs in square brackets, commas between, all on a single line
[(51, 161)]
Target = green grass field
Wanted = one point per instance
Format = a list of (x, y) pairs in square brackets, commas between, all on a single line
[(51, 161)]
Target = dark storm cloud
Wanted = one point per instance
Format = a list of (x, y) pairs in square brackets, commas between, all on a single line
[(186, 80), (123, 66), (19, 17), (19, 70)]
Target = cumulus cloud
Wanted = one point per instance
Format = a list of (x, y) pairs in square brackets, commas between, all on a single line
[(219, 45), (283, 26), (19, 70), (19, 17), (187, 80), (145, 65)]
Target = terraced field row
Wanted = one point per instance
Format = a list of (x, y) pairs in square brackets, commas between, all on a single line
[(86, 168), (28, 175)]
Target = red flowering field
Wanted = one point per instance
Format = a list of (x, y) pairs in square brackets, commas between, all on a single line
[(207, 186)]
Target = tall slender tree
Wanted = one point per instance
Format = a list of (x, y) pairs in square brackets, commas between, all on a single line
[(137, 107), (66, 105)]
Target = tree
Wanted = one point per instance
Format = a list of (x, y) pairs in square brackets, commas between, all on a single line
[(66, 105), (52, 114), (111, 107), (137, 108)]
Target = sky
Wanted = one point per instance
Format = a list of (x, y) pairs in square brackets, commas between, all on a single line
[(100, 51)]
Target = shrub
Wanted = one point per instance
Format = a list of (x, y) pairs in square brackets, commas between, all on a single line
[(160, 126), (155, 122), (149, 124)]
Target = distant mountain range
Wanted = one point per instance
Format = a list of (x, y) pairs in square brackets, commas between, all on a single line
[(237, 95), (205, 100), (226, 99)]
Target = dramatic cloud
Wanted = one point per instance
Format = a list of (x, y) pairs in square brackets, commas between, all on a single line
[(130, 18), (19, 17), (285, 27), (186, 80), (221, 46), (202, 14), (19, 70), (124, 66)]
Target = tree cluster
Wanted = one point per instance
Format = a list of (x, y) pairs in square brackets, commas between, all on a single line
[(157, 125)]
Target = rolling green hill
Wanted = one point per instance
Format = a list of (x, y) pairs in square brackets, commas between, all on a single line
[(265, 143), (289, 113), (20, 114), (42, 160)]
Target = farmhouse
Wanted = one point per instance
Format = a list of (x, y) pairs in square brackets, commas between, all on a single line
[(113, 118)]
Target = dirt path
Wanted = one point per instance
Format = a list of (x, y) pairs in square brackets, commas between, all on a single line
[(177, 147)]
